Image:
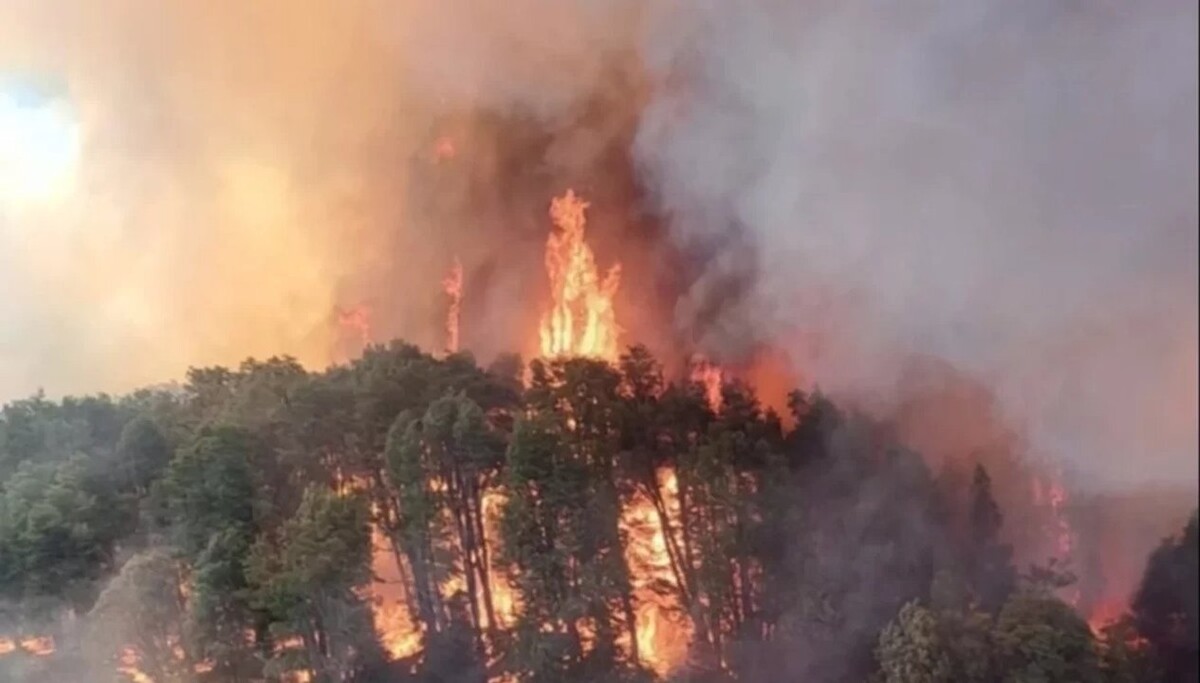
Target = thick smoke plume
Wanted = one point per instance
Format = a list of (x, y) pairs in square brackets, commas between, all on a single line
[(1009, 187)]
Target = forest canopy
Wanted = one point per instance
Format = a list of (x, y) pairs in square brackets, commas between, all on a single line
[(230, 529)]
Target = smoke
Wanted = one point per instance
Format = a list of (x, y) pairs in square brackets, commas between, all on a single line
[(248, 170), (1006, 186), (225, 187), (1010, 187)]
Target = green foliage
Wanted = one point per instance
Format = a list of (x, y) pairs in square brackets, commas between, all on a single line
[(210, 495), (142, 453), (1036, 638), (950, 641), (1040, 639), (143, 609), (1124, 657), (305, 581), (789, 554), (911, 649), (39, 431), (561, 527), (210, 488), (58, 528), (1166, 608)]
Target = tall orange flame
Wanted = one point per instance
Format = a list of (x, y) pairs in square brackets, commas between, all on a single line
[(453, 286), (581, 321)]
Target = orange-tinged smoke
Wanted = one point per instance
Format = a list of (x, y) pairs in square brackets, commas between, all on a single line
[(1104, 614), (444, 149), (356, 322), (581, 320), (453, 286)]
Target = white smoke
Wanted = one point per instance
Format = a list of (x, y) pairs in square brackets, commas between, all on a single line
[(1010, 186)]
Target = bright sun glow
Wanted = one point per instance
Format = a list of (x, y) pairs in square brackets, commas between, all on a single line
[(39, 147)]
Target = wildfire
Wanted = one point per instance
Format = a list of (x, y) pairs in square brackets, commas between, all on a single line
[(399, 633), (453, 286), (1053, 495), (39, 646), (129, 667), (393, 621), (1104, 614), (710, 376), (662, 637), (504, 600), (581, 320)]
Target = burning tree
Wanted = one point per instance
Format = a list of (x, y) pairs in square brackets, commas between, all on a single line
[(562, 526)]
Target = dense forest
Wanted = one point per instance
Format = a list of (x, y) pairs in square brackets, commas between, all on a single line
[(226, 530)]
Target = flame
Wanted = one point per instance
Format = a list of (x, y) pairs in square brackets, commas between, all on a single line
[(1104, 614), (453, 286), (39, 646), (662, 635), (398, 633), (1064, 541), (711, 377), (581, 321), (129, 666), (504, 599), (1052, 494)]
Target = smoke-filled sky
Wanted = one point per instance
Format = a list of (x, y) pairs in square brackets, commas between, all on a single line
[(1009, 186)]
